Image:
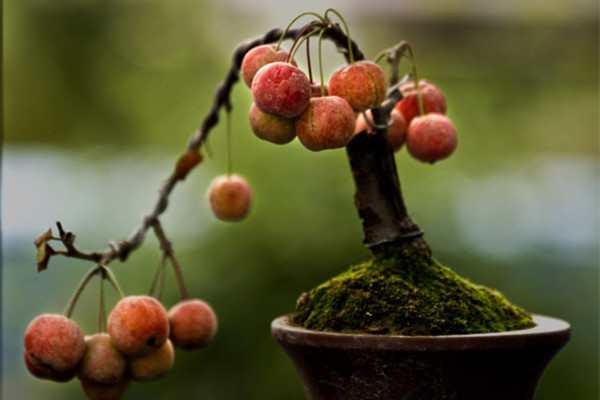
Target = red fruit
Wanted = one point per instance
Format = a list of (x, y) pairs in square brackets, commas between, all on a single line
[(315, 89), (258, 57), (54, 345), (282, 89), (138, 325), (39, 371), (431, 137), (433, 99), (271, 127), (193, 324), (230, 197), (327, 123), (396, 132), (152, 366), (102, 362), (362, 84), (98, 391)]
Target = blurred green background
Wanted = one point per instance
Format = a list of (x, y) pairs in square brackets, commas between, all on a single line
[(100, 98)]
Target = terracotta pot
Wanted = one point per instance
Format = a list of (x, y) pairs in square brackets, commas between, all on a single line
[(491, 366)]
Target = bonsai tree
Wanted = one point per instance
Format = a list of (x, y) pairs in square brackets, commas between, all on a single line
[(402, 289)]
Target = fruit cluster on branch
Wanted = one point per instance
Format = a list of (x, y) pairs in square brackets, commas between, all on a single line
[(139, 345)]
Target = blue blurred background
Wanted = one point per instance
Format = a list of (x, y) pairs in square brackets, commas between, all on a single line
[(100, 98)]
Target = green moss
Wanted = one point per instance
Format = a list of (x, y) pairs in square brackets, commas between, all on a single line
[(406, 293)]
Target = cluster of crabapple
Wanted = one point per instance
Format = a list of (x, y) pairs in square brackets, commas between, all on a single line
[(139, 345), (287, 104), (429, 136)]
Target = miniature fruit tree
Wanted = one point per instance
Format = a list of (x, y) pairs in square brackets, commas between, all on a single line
[(402, 288)]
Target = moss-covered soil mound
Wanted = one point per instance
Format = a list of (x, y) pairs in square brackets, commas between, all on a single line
[(406, 293)]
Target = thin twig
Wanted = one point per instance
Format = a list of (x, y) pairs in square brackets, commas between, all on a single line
[(108, 274), (168, 251), (68, 312), (101, 321), (179, 277), (158, 275)]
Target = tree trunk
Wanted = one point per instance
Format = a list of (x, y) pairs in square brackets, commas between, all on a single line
[(378, 198)]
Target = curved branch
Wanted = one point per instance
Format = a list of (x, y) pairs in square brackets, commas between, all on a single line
[(121, 250)]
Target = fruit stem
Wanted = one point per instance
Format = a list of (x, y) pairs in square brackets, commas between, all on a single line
[(170, 253), (110, 276), (381, 55), (321, 63), (159, 277), (284, 34), (310, 75), (68, 312), (229, 156), (101, 322), (161, 282), (392, 56), (178, 276), (415, 76), (350, 53), (301, 37)]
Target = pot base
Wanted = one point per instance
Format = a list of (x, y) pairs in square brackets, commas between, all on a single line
[(490, 366)]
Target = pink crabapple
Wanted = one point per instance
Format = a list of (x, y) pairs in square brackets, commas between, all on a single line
[(282, 89), (327, 123), (152, 366), (193, 324), (230, 197), (258, 57), (98, 391), (43, 372), (317, 91), (102, 362), (54, 345), (362, 84), (138, 325), (432, 97), (271, 127), (431, 137)]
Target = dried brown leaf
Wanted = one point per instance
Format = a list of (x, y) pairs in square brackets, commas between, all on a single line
[(43, 256), (43, 238), (187, 162)]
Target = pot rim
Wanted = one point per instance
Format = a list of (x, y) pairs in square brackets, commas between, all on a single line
[(548, 331)]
